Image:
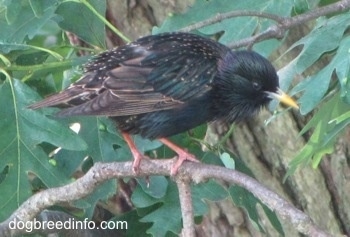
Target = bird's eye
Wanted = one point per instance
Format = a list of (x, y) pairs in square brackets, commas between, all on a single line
[(256, 86)]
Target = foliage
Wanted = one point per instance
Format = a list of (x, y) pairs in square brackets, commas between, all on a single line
[(328, 38), (36, 59)]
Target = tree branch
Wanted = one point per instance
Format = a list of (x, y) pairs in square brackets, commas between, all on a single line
[(195, 172), (276, 31), (183, 185)]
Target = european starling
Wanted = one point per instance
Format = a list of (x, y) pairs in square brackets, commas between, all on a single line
[(162, 85)]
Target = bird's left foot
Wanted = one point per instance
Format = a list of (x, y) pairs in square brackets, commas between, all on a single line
[(183, 156)]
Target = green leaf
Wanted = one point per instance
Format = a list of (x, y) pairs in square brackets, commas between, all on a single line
[(155, 186), (341, 118), (170, 206), (22, 130), (86, 25), (325, 37), (101, 193), (328, 123), (317, 156), (302, 6), (248, 201), (145, 144), (12, 11), (142, 200), (18, 29), (209, 191), (271, 215), (135, 227), (242, 198), (339, 64), (37, 7), (101, 138), (227, 160)]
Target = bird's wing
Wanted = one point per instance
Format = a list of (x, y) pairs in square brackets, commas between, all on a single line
[(153, 73), (184, 65)]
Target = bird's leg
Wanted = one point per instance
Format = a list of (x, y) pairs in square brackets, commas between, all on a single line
[(134, 151), (182, 155)]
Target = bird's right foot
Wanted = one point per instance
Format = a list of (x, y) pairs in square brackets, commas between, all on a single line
[(138, 156)]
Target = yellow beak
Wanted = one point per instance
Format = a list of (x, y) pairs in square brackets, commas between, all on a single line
[(283, 98)]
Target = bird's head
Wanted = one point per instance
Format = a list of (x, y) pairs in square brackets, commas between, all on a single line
[(247, 82)]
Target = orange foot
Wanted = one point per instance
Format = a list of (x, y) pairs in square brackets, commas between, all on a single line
[(183, 155), (134, 151)]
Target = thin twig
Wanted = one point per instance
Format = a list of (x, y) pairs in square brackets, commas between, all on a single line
[(183, 185), (197, 172), (223, 16), (337, 7), (276, 31)]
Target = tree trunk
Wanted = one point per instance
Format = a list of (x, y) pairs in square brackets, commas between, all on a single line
[(323, 193)]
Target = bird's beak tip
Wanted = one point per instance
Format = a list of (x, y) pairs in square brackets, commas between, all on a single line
[(284, 98)]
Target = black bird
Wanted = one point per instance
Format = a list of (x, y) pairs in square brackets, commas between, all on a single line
[(162, 85)]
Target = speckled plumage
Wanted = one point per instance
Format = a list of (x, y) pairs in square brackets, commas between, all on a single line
[(161, 85)]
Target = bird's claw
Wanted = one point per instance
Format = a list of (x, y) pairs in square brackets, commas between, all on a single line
[(137, 162), (180, 159)]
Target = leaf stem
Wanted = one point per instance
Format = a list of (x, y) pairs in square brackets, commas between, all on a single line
[(104, 20), (40, 66), (52, 53)]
